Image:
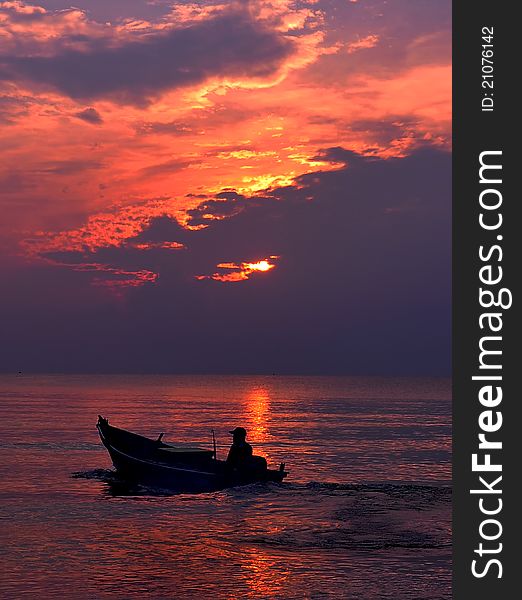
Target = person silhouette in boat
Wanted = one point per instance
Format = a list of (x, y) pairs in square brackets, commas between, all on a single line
[(240, 453)]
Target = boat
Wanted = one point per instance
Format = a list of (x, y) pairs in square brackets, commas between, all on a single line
[(184, 469)]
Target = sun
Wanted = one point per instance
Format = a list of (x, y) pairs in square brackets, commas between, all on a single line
[(240, 271), (262, 265)]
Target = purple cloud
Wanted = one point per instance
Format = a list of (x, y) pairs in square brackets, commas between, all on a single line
[(135, 72), (90, 115)]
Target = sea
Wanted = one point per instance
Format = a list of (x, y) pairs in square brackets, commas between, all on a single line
[(364, 514)]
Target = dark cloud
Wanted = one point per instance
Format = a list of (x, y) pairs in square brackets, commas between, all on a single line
[(90, 115), (164, 229), (362, 284), (223, 205), (229, 45), (337, 154)]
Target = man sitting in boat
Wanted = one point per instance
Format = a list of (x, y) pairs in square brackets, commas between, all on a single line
[(240, 453)]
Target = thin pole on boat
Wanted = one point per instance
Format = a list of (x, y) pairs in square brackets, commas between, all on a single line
[(214, 441)]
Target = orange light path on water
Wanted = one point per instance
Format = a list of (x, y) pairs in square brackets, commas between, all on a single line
[(258, 413)]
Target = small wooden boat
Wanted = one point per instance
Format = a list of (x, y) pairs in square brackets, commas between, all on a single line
[(153, 462)]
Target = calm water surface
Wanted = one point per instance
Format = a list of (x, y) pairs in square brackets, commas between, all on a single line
[(365, 513)]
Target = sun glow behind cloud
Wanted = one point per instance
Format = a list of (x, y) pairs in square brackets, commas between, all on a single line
[(233, 272)]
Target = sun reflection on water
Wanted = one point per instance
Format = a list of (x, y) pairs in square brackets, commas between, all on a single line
[(262, 578), (258, 414)]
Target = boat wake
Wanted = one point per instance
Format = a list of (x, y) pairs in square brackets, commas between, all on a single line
[(394, 495), (116, 486), (361, 517), (105, 475), (327, 516)]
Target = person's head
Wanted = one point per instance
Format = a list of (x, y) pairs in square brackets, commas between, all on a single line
[(239, 434)]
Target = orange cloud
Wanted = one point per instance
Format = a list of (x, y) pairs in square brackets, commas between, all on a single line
[(370, 41)]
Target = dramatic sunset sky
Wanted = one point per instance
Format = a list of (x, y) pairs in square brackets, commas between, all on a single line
[(251, 186)]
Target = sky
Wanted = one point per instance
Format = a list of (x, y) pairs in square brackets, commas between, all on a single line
[(226, 187)]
